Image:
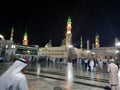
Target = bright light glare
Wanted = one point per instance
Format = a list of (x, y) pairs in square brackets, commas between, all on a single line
[(70, 73), (117, 51), (2, 37), (117, 44), (70, 46), (68, 32), (69, 25), (38, 69), (93, 52), (88, 51)]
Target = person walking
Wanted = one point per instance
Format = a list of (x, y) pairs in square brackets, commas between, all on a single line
[(100, 63), (91, 65), (14, 78), (113, 74)]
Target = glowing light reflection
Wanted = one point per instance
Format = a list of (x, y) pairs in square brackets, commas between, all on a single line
[(69, 76), (98, 77), (38, 69)]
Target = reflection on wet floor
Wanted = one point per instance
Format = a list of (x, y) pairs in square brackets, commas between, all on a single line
[(80, 76), (48, 76)]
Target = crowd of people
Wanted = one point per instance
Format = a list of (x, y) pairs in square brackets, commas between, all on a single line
[(88, 64)]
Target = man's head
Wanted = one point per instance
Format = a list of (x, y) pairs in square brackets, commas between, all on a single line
[(112, 61), (19, 64), (25, 62)]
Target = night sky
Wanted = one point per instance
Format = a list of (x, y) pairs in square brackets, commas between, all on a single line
[(47, 20)]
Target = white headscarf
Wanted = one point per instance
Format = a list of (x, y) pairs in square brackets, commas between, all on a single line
[(5, 79), (111, 60)]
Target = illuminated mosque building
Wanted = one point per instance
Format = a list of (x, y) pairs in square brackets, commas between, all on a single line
[(61, 51), (65, 49)]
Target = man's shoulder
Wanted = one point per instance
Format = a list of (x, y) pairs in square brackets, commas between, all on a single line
[(112, 65), (20, 75)]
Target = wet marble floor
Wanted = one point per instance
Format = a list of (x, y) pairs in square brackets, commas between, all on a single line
[(55, 78)]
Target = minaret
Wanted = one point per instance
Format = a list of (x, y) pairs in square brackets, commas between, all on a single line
[(97, 45), (25, 39), (68, 33), (88, 45), (81, 43), (12, 32), (50, 43)]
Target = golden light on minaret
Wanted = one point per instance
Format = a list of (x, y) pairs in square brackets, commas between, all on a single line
[(69, 26), (68, 33), (25, 39), (97, 45)]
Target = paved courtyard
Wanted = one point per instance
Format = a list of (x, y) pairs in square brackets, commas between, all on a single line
[(55, 78)]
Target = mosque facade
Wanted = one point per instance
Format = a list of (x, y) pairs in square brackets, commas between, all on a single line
[(66, 50)]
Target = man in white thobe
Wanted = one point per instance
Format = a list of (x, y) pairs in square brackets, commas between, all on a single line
[(91, 65), (113, 75), (13, 78)]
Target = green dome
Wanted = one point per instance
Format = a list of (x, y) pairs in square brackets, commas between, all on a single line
[(97, 36), (69, 19), (25, 34), (12, 30)]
